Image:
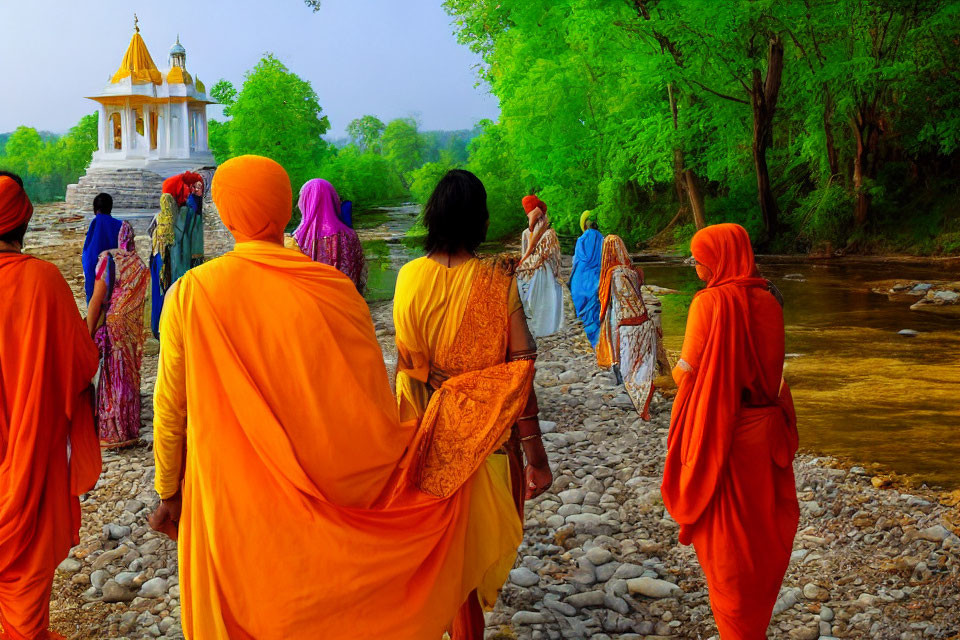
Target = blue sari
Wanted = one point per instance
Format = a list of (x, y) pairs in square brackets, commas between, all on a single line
[(585, 282), (101, 236)]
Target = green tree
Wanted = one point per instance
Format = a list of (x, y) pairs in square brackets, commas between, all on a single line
[(275, 114), (402, 146), (365, 132)]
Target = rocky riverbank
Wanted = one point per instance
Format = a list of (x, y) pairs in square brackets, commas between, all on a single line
[(600, 557)]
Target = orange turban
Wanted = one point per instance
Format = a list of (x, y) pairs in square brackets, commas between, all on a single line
[(532, 202), (15, 206), (254, 197), (179, 185)]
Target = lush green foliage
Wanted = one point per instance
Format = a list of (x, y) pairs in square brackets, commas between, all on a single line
[(46, 162), (620, 105), (274, 114)]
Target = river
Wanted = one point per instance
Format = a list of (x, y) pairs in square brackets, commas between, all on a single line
[(863, 392)]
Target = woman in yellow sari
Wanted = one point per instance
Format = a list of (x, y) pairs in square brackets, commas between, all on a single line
[(463, 346)]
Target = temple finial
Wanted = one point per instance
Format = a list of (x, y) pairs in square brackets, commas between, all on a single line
[(136, 23)]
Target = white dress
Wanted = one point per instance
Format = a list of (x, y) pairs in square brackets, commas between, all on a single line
[(538, 278)]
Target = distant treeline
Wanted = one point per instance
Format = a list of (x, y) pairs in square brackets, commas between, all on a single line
[(277, 114), (274, 113), (48, 162)]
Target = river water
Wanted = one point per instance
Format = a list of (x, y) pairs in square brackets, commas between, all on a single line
[(862, 391)]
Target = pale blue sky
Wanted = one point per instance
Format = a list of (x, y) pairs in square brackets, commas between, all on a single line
[(391, 58)]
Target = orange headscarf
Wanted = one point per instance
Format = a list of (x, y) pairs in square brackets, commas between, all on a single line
[(179, 185), (15, 207), (708, 403), (614, 254), (725, 250), (533, 202), (254, 197)]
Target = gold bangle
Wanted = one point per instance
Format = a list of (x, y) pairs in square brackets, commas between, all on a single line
[(530, 437)]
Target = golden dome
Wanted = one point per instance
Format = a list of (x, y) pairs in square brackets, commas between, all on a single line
[(178, 75), (201, 88), (137, 64)]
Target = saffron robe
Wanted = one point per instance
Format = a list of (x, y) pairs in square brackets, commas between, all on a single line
[(295, 461), (47, 361)]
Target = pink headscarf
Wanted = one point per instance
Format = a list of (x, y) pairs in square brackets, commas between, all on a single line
[(320, 208)]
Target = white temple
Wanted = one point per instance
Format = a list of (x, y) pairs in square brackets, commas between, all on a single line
[(152, 124)]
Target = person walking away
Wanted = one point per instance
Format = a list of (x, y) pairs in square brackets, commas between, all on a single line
[(323, 237), (728, 478), (278, 446), (101, 236), (585, 277), (48, 442), (115, 320), (538, 274), (458, 319), (630, 340)]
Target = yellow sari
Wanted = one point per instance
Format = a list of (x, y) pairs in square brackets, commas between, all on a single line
[(455, 320)]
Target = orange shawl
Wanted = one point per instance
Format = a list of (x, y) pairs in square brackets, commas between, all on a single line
[(47, 361), (296, 462), (728, 477)]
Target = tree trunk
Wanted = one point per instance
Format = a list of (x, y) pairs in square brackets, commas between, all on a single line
[(867, 128), (679, 184), (764, 94), (696, 199)]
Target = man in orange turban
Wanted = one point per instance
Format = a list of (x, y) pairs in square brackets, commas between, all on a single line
[(280, 456), (728, 478), (48, 360)]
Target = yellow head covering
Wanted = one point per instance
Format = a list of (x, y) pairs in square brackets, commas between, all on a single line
[(586, 215)]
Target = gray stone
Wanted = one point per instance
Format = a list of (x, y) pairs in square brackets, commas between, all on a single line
[(69, 565), (524, 577), (560, 607), (153, 588), (813, 591), (113, 592), (653, 587), (936, 533), (826, 614), (586, 599), (627, 571), (99, 578), (527, 617), (118, 532), (572, 496), (909, 333), (599, 555), (555, 521)]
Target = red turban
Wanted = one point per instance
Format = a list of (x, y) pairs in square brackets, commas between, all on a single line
[(179, 186), (254, 198), (533, 202), (15, 206)]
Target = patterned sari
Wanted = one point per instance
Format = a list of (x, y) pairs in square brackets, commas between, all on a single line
[(539, 280), (630, 338), (120, 340), (455, 321)]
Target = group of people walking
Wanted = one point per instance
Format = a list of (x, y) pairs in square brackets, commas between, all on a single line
[(280, 446)]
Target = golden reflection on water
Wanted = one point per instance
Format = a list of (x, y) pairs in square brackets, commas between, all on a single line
[(862, 391)]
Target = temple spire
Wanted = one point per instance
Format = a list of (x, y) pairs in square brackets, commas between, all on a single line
[(136, 23)]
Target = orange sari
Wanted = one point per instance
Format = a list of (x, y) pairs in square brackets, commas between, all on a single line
[(47, 360), (728, 478)]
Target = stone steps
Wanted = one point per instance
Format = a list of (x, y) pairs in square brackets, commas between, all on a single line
[(130, 188)]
